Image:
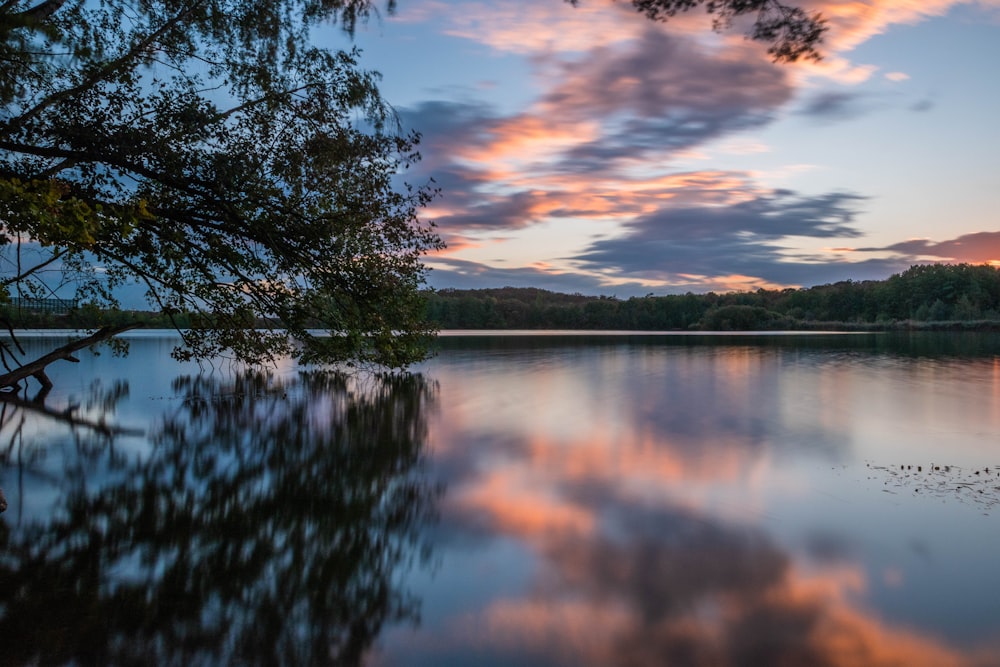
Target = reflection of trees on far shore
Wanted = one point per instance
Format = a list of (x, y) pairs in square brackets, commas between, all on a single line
[(267, 525)]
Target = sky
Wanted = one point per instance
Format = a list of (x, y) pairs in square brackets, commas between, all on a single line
[(589, 150)]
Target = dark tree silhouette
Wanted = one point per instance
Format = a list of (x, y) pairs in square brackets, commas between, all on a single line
[(268, 525), (210, 151)]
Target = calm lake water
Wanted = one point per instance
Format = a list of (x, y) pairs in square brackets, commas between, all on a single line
[(520, 500)]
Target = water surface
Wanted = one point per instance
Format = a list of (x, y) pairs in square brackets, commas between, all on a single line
[(532, 500)]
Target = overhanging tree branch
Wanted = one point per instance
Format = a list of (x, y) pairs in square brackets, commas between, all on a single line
[(39, 12), (108, 69), (210, 151)]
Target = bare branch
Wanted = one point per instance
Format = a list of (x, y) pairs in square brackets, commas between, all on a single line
[(37, 367), (38, 267)]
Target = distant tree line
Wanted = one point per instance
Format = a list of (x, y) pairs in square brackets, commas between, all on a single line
[(88, 316), (924, 296)]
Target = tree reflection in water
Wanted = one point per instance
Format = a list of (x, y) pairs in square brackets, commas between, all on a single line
[(269, 524)]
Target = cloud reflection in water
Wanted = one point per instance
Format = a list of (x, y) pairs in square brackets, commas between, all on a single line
[(672, 505)]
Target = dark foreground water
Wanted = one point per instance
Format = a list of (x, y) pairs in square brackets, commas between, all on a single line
[(530, 500)]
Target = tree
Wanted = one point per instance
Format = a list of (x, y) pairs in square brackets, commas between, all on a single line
[(209, 151)]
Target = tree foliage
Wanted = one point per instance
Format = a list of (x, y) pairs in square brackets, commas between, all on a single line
[(211, 152), (208, 150)]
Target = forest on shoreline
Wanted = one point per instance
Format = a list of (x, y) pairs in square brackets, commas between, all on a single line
[(932, 296)]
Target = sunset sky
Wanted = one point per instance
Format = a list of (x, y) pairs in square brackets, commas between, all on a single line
[(590, 150)]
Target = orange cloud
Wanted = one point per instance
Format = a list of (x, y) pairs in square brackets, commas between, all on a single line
[(523, 139), (731, 283), (555, 28), (542, 27), (455, 245), (517, 159), (853, 22)]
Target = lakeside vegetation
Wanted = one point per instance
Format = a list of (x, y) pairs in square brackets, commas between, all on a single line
[(932, 296), (89, 317)]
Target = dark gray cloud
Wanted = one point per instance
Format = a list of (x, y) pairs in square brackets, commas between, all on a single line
[(473, 275), (662, 74), (636, 138), (976, 248), (462, 274), (836, 105), (663, 94), (659, 95), (446, 125), (509, 212), (744, 238), (447, 129), (57, 280)]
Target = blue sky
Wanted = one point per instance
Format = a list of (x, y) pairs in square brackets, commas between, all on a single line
[(590, 150)]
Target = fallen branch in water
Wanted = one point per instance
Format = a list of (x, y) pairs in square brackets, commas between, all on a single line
[(36, 368)]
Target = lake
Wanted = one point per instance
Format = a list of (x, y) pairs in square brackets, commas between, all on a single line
[(536, 499)]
